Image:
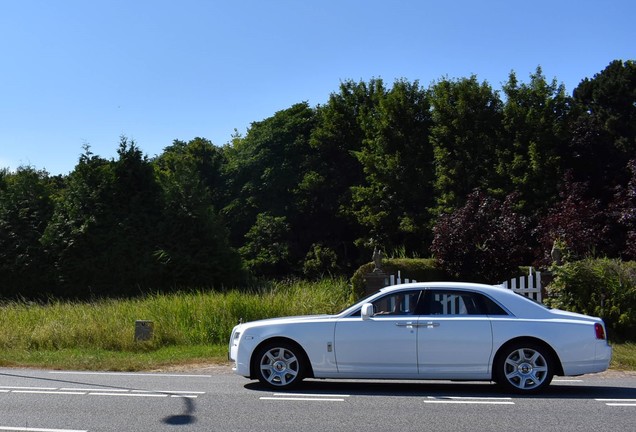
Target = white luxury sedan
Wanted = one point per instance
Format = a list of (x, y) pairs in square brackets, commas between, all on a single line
[(450, 331)]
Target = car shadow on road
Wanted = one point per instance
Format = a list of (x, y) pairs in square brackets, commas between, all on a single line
[(187, 417)]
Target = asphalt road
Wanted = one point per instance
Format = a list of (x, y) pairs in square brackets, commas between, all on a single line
[(213, 399)]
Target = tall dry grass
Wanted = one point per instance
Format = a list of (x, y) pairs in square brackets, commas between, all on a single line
[(188, 318)]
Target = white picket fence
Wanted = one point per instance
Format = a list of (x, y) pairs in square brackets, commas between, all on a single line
[(529, 286), (398, 281)]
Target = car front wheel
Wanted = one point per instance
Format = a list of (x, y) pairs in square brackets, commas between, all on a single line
[(280, 365), (524, 368)]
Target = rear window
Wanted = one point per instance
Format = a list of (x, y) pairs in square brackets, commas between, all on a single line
[(459, 302)]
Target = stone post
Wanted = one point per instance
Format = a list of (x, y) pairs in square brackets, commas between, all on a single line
[(378, 278), (374, 281)]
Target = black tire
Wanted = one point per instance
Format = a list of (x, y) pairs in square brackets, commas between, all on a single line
[(524, 368), (280, 365)]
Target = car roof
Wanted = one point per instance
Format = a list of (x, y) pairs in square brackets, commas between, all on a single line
[(420, 285), (518, 305)]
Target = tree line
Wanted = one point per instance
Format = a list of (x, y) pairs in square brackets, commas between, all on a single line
[(481, 179)]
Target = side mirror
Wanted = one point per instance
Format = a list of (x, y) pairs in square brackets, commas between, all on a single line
[(366, 311)]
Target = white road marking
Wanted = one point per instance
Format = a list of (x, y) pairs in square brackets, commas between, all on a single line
[(47, 392), (168, 391), (28, 388), (130, 374), (129, 394), (475, 402), (26, 429), (469, 400), (619, 402), (616, 400), (92, 389), (311, 397), (103, 392), (567, 380), (477, 398)]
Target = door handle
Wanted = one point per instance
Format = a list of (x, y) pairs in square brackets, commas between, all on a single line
[(409, 324), (406, 324)]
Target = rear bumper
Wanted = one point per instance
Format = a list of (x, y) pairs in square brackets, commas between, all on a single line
[(604, 355), (599, 363)]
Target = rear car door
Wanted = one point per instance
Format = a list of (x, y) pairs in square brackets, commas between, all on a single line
[(455, 336)]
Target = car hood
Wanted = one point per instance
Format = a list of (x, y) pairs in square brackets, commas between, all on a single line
[(284, 320)]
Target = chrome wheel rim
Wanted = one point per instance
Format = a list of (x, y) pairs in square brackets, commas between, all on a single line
[(279, 366), (526, 369)]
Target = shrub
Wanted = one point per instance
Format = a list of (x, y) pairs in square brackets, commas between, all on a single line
[(624, 210), (421, 270), (576, 222), (598, 287), (320, 261), (484, 241)]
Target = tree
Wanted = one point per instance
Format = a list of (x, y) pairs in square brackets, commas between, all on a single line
[(266, 250), (26, 207), (193, 245), (103, 232), (610, 97), (76, 233), (604, 130), (320, 261), (325, 191), (465, 136), (485, 240), (199, 158), (265, 169), (536, 133), (397, 159)]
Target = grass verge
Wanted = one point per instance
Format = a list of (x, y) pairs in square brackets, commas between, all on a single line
[(624, 357), (180, 357), (183, 357)]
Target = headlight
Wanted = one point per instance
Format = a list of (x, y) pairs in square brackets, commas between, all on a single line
[(234, 338)]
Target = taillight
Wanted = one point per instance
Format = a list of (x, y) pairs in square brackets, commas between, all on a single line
[(600, 331)]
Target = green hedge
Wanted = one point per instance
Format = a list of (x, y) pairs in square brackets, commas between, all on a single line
[(600, 287), (421, 270)]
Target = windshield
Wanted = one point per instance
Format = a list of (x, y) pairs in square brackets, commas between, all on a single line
[(362, 300)]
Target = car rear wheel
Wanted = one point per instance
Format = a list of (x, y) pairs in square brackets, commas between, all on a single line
[(280, 365), (524, 368)]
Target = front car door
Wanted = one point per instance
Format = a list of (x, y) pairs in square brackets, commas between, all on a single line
[(384, 345)]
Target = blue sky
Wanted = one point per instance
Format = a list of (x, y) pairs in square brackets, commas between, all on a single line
[(86, 72)]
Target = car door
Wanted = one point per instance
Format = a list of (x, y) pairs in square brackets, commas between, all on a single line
[(455, 336), (383, 345)]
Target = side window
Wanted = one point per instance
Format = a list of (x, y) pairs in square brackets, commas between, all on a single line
[(490, 307), (457, 302), (399, 303), (449, 302)]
